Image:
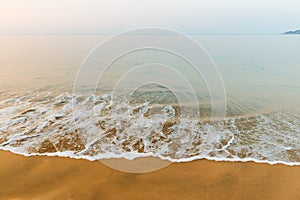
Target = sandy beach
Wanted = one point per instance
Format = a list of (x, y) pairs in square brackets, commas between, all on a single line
[(64, 178), (149, 100)]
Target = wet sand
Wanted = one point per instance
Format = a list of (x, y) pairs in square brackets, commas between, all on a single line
[(63, 178)]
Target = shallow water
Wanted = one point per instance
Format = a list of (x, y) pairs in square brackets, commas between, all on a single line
[(261, 77)]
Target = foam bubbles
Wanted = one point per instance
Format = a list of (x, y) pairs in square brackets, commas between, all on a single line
[(102, 129)]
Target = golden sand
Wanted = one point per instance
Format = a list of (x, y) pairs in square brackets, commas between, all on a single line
[(63, 178)]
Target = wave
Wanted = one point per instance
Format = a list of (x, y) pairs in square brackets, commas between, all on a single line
[(100, 127)]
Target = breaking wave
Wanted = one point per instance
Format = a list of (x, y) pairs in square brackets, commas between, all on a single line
[(45, 123)]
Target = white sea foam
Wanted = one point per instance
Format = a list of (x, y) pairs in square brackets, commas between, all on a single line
[(99, 128)]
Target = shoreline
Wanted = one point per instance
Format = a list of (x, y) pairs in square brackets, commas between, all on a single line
[(43, 177), (131, 157)]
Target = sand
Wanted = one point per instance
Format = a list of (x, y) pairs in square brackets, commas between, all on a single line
[(64, 178)]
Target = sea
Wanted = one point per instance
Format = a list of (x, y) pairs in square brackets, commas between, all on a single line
[(149, 102)]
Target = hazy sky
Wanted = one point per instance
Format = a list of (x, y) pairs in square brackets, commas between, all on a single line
[(112, 16)]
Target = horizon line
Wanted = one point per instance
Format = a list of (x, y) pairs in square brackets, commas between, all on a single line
[(95, 34)]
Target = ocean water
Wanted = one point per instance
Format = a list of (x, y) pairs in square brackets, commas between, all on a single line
[(41, 114)]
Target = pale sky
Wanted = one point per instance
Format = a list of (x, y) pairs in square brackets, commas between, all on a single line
[(113, 16)]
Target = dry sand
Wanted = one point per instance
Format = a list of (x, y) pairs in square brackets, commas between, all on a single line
[(64, 178)]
